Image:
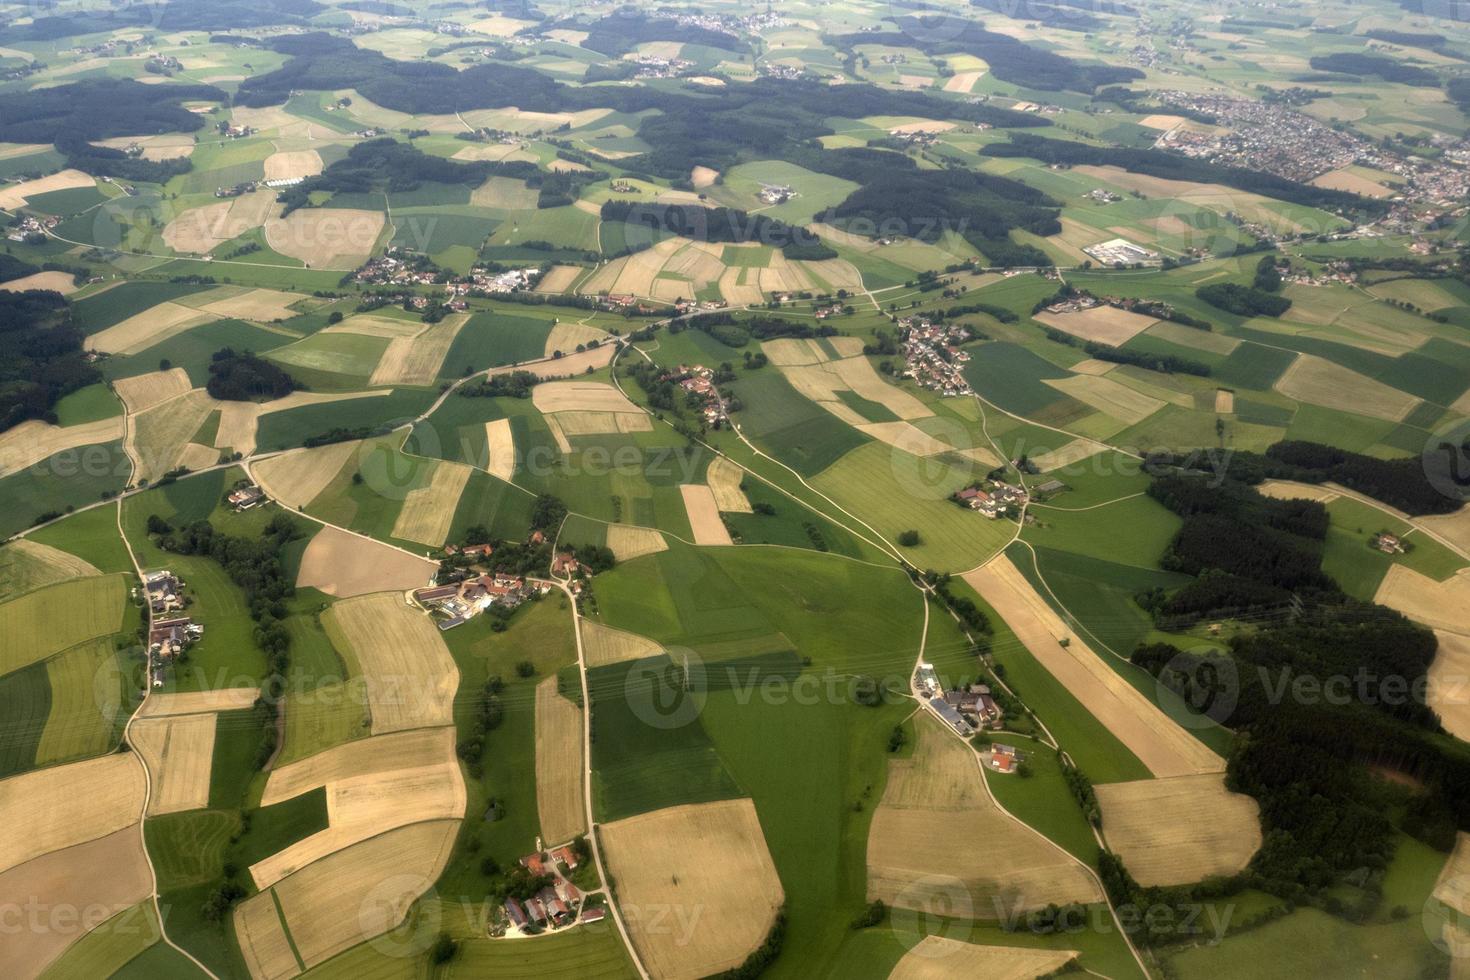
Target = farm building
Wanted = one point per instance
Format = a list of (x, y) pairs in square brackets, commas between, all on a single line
[(926, 680), (950, 716), (244, 498)]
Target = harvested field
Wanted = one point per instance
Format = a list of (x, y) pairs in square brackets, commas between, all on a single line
[(197, 457), (559, 279), (606, 645), (416, 360), (963, 81), (428, 511), (501, 445), (344, 564), (1213, 197), (628, 542), (558, 765), (1073, 452), (238, 424), (1160, 121), (1438, 605), (1287, 490), (703, 176), (1343, 180), (142, 331), (27, 565), (704, 515), (580, 396), (419, 748), (601, 423), (52, 619), (201, 230), (1179, 830), (159, 438), (1108, 396), (261, 305), (56, 282), (263, 941), (724, 479), (1160, 744), (195, 702), (1321, 382), (295, 478), (564, 367), (286, 164), (178, 751), (410, 676), (836, 273), (96, 879), (1093, 367), (1104, 324), (360, 807), (565, 337), (1453, 528), (937, 828), (14, 196), (369, 325), (143, 391), (820, 379), (708, 861), (1449, 683), (940, 958), (62, 806), (1224, 401), (326, 238), (32, 441), (362, 892)]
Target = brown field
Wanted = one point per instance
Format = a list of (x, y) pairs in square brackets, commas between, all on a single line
[(1093, 367), (238, 423), (1179, 830), (1321, 382), (704, 515), (939, 958), (142, 392), (419, 748), (1449, 683), (376, 326), (707, 860), (56, 282), (160, 436), (32, 441), (1161, 121), (1438, 605), (559, 279), (292, 163), (62, 806), (364, 806), (341, 901), (724, 479), (580, 396), (606, 645), (1108, 396), (416, 360), (197, 457), (140, 332), (1160, 744), (564, 367), (820, 379), (901, 435), (836, 273), (410, 676), (27, 565), (703, 176), (937, 832), (196, 702), (97, 879), (628, 542), (500, 441), (1104, 324), (565, 337), (326, 238), (263, 940), (1451, 528), (1073, 452), (344, 564), (1224, 401), (428, 511), (558, 765), (1287, 490), (493, 151), (202, 229), (1343, 180), (601, 423), (14, 196), (295, 478), (179, 752), (963, 81), (260, 305)]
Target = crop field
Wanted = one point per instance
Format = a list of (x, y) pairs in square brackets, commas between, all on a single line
[(725, 479), (294, 479), (1104, 324), (1179, 830), (410, 676), (178, 751), (495, 339), (148, 329), (428, 510), (558, 765), (343, 564), (326, 238), (45, 622), (704, 515), (1440, 605), (935, 957), (606, 645), (62, 806), (1151, 735), (161, 438), (26, 565), (109, 947), (937, 795), (141, 392), (709, 857), (628, 542), (32, 442), (416, 360), (351, 355), (87, 690)]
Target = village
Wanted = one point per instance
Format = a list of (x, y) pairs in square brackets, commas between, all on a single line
[(933, 355)]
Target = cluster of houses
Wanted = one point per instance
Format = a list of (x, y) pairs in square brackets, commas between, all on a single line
[(508, 281), (1387, 543), (698, 380), (557, 905), (169, 634), (236, 190), (776, 193), (29, 227), (455, 603), (397, 269), (991, 498), (933, 355), (1103, 196), (623, 303)]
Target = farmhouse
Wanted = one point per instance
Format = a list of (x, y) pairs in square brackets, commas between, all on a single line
[(564, 855), (455, 603), (565, 565), (975, 705), (244, 498), (950, 716), (168, 637), (926, 680), (1389, 544), (165, 591)]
